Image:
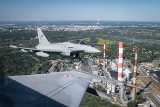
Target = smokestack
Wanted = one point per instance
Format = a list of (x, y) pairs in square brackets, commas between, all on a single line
[(135, 71), (104, 51), (104, 55), (120, 61)]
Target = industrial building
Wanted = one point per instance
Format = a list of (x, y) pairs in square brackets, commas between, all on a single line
[(128, 74)]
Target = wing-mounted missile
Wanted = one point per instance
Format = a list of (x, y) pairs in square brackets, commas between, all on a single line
[(23, 50), (65, 53), (12, 46), (42, 54)]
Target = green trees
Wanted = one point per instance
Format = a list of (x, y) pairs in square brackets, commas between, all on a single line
[(14, 62), (90, 100), (139, 100)]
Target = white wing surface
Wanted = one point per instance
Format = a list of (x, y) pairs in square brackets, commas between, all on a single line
[(58, 89)]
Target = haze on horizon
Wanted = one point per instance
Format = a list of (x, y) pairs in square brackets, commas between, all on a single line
[(61, 10)]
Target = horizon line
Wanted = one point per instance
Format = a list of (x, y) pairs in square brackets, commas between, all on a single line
[(76, 20)]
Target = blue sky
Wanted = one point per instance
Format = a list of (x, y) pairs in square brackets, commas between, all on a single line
[(51, 10)]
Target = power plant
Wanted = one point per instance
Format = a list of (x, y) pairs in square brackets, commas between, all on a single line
[(114, 76)]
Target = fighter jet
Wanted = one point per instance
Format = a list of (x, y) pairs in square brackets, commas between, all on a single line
[(72, 48)]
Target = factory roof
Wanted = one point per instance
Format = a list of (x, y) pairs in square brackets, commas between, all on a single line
[(114, 74), (127, 71)]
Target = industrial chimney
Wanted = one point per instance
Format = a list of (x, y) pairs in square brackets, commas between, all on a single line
[(120, 61)]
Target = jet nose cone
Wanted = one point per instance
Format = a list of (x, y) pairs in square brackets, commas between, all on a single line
[(96, 51), (91, 50)]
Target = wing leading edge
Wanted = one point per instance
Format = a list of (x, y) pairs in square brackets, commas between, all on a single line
[(57, 89)]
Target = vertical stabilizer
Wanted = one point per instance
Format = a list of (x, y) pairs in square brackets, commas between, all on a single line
[(42, 39)]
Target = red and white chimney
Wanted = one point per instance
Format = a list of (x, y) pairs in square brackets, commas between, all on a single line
[(120, 61), (135, 66), (134, 75), (104, 51)]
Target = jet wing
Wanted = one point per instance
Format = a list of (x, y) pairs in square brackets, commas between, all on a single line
[(60, 89), (35, 49), (24, 48), (44, 50)]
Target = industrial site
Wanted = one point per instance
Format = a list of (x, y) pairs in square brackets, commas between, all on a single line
[(114, 80)]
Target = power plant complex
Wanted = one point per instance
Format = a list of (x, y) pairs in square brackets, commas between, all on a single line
[(114, 76)]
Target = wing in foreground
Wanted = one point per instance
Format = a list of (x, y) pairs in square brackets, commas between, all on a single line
[(44, 90)]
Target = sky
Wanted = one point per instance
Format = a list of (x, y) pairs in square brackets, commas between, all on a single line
[(62, 10)]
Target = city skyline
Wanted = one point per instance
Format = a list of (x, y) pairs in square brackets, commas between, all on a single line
[(62, 10)]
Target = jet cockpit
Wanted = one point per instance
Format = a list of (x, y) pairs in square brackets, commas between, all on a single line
[(79, 41)]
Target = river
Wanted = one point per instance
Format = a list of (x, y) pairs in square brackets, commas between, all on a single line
[(141, 40)]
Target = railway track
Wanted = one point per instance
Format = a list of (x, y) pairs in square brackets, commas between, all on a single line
[(154, 100), (154, 89)]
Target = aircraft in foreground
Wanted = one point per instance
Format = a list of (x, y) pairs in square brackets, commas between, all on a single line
[(72, 48), (59, 89)]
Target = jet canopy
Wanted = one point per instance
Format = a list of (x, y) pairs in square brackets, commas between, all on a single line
[(79, 41)]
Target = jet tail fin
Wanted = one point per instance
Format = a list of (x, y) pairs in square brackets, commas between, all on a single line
[(42, 39)]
